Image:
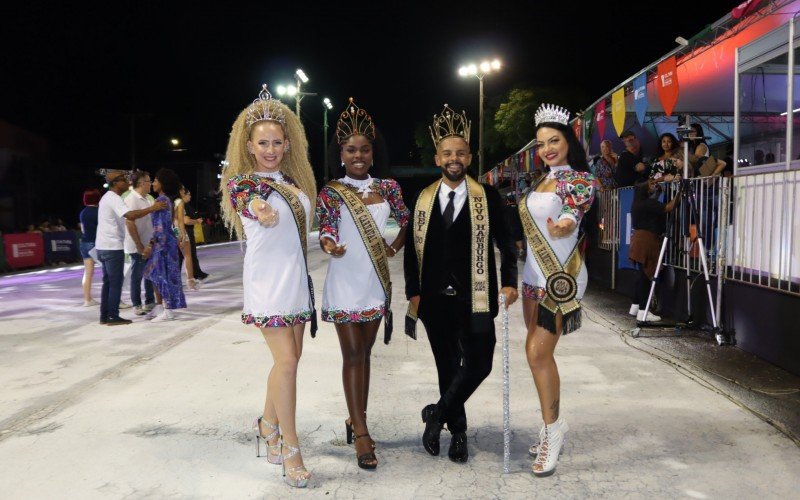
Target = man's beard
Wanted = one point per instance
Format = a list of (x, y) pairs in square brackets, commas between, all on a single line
[(455, 177)]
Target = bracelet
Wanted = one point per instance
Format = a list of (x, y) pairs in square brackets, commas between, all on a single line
[(394, 250)]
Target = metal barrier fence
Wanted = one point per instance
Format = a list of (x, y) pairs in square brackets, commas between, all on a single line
[(608, 205), (765, 239), (750, 225), (707, 198)]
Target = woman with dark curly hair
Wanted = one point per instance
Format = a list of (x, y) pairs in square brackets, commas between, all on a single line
[(355, 209), (163, 267)]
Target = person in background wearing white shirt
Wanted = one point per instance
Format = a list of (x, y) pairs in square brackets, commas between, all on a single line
[(137, 242), (109, 242)]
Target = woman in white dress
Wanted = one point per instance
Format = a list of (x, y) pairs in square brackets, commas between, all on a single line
[(267, 169), (354, 298), (556, 206)]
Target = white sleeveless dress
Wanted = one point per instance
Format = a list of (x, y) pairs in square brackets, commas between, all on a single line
[(275, 277), (353, 291), (555, 206)]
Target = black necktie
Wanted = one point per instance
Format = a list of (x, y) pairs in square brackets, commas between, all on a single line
[(449, 210)]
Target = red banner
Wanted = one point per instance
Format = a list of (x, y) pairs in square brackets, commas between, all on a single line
[(667, 85), (600, 118), (577, 126), (24, 250)]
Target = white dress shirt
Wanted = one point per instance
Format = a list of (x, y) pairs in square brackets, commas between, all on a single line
[(458, 201), (144, 225), (111, 222)]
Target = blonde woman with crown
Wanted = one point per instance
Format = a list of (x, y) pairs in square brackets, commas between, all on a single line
[(355, 297), (554, 277), (267, 185)]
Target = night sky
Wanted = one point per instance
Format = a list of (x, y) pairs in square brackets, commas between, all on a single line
[(74, 74)]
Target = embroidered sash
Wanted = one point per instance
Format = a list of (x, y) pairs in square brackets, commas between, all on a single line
[(479, 242), (373, 241), (299, 213), (561, 286)]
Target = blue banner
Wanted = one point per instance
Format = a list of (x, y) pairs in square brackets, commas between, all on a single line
[(625, 228), (61, 246), (640, 97)]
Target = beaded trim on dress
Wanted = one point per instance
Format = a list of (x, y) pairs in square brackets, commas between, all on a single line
[(553, 170), (276, 176)]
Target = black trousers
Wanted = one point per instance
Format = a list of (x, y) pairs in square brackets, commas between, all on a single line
[(463, 356)]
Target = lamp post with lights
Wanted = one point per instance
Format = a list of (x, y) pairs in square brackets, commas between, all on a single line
[(479, 71), (326, 106), (295, 90)]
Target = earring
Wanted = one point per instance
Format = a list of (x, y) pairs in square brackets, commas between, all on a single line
[(287, 148), (342, 164)]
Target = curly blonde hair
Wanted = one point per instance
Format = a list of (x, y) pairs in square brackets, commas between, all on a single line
[(239, 161)]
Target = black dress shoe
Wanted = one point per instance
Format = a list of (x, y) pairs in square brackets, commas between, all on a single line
[(118, 321), (458, 451), (430, 438)]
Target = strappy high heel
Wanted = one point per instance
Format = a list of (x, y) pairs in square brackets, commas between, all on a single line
[(550, 449), (273, 450), (298, 476), (367, 460)]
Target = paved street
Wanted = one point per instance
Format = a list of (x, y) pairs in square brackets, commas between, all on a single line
[(164, 409)]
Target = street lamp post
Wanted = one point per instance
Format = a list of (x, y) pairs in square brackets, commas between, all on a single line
[(479, 71), (295, 90), (326, 106), (299, 77)]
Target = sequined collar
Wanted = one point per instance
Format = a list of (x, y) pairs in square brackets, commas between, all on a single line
[(361, 185), (554, 170), (277, 176)]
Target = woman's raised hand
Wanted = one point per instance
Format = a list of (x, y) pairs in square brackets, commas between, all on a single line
[(267, 216)]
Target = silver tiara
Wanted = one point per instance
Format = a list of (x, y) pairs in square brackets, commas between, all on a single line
[(550, 113), (265, 108)]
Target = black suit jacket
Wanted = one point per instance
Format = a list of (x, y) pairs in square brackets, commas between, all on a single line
[(448, 259)]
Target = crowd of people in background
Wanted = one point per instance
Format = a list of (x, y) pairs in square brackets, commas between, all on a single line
[(128, 223)]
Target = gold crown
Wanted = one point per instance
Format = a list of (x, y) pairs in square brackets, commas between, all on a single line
[(449, 124), (264, 109), (354, 121)]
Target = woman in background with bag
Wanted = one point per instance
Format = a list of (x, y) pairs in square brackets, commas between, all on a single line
[(701, 163)]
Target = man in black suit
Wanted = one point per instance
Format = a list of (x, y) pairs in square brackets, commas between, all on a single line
[(448, 283)]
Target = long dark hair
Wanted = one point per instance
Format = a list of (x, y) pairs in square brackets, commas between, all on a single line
[(576, 156), (659, 150), (170, 184), (380, 158), (700, 134)]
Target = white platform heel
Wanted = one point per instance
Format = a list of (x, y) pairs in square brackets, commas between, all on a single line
[(550, 448), (534, 449)]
